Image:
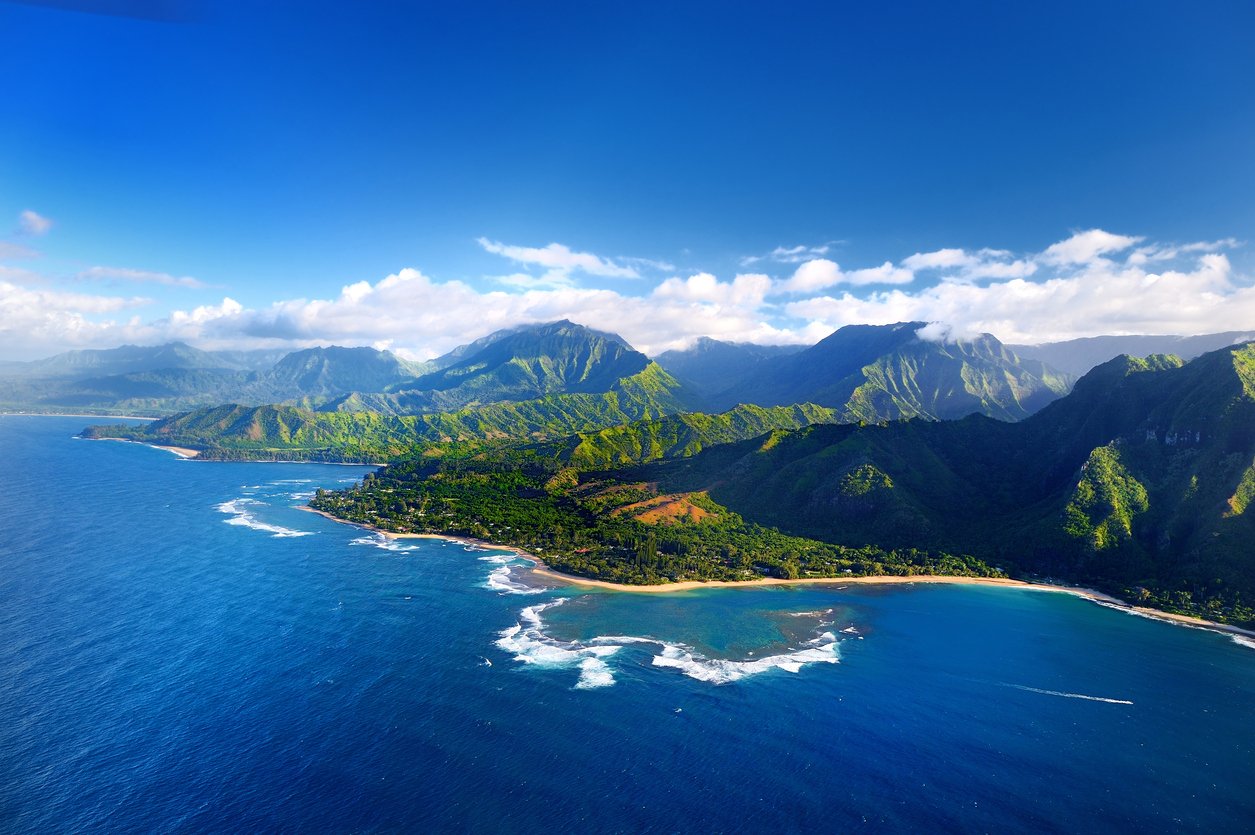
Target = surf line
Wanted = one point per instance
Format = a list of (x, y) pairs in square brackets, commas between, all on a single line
[(1064, 695)]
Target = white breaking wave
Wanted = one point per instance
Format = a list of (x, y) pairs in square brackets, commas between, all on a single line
[(529, 643), (1246, 642), (499, 578), (821, 650), (380, 541), (241, 516)]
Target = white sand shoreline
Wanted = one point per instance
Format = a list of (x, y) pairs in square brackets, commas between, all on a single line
[(539, 569)]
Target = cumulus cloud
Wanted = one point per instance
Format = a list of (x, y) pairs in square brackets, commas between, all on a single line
[(1083, 247), (821, 273), (1092, 283), (139, 277), (560, 259), (984, 263), (38, 321), (32, 224), (425, 318), (746, 290), (1088, 299)]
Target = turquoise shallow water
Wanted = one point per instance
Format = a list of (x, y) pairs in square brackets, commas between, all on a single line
[(183, 650)]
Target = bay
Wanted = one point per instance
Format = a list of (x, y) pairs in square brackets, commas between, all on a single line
[(183, 649)]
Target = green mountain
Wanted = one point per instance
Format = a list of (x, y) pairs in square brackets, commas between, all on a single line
[(556, 358), (508, 366), (1138, 480), (296, 434), (132, 359), (711, 367), (1078, 356), (333, 371), (887, 372), (176, 377)]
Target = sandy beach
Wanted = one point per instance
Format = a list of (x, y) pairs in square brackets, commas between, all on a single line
[(182, 452), (541, 570)]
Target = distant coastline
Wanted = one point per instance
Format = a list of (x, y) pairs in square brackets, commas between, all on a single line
[(182, 452), (64, 414), (540, 569)]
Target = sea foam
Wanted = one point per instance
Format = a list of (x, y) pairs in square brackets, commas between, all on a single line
[(530, 644), (820, 650), (240, 516), (499, 578), (380, 541)]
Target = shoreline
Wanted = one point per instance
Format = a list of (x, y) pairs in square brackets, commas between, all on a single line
[(182, 452), (540, 569), (187, 453), (62, 414), (465, 540)]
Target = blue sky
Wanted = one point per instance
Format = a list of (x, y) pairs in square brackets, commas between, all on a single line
[(286, 153)]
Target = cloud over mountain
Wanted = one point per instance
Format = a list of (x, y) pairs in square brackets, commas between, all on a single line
[(1090, 283)]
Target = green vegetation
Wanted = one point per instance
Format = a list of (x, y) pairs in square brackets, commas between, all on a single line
[(603, 525), (287, 433), (1137, 483), (875, 373)]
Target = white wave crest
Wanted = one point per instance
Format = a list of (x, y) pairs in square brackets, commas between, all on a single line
[(241, 516), (499, 578), (821, 650), (380, 541), (529, 643), (1246, 642)]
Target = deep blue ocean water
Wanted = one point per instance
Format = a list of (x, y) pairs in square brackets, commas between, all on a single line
[(183, 650)]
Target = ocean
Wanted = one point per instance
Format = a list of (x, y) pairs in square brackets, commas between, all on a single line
[(184, 650)]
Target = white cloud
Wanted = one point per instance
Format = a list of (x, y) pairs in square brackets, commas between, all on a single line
[(1084, 247), (886, 273), (11, 250), (559, 258), (139, 277), (37, 322), (787, 255), (32, 224), (1072, 289), (984, 263), (704, 287), (940, 259), (1091, 299), (812, 276), (424, 318), (650, 263), (821, 273)]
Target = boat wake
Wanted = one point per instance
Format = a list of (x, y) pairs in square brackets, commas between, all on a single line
[(1064, 695)]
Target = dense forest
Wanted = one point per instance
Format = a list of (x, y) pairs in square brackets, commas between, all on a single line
[(603, 525), (1137, 483)]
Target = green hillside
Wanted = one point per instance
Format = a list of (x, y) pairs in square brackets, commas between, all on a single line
[(510, 366), (296, 434), (887, 372), (1138, 482)]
